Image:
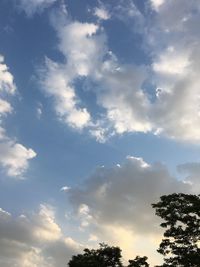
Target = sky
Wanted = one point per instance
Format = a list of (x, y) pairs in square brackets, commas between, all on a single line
[(99, 117)]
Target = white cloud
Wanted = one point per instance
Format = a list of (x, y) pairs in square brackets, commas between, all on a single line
[(14, 157), (176, 110), (34, 240), (119, 88), (84, 215), (174, 70), (82, 49), (156, 4), (101, 13), (127, 106), (6, 78), (57, 85), (5, 107), (32, 6), (93, 238), (46, 229), (65, 188), (172, 62)]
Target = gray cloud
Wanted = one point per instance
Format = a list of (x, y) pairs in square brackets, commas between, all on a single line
[(34, 240), (122, 195), (191, 171)]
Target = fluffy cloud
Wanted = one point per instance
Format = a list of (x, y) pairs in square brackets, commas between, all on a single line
[(81, 47), (127, 106), (174, 112), (57, 85), (32, 6), (14, 157), (176, 109), (101, 13), (5, 107), (87, 55), (171, 108), (123, 194), (6, 78), (34, 240), (83, 50)]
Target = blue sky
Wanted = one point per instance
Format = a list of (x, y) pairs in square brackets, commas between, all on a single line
[(99, 116)]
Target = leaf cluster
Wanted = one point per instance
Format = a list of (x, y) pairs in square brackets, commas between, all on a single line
[(181, 215)]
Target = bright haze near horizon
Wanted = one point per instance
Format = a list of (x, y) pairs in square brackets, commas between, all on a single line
[(99, 117)]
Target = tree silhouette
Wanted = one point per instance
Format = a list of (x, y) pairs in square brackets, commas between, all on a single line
[(138, 262), (103, 257), (181, 215)]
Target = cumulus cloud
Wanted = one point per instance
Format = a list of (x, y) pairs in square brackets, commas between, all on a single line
[(171, 108), (14, 157), (174, 112), (34, 240), (87, 55), (126, 104), (32, 6), (82, 49), (126, 191), (57, 85)]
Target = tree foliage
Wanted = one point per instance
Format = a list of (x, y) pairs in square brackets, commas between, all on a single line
[(181, 215), (103, 257), (138, 262)]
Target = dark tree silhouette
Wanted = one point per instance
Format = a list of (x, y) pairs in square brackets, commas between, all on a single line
[(181, 215), (103, 257), (138, 262)]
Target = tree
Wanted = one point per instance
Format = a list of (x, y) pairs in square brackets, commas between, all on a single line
[(138, 262), (181, 215), (105, 256)]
